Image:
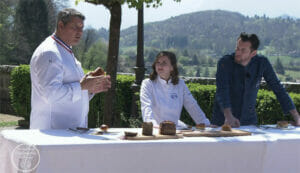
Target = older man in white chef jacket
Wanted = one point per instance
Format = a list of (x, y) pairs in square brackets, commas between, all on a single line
[(60, 90)]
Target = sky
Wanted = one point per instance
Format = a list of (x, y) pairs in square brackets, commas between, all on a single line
[(97, 16)]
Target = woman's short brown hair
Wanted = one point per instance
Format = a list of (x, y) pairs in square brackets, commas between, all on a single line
[(172, 58)]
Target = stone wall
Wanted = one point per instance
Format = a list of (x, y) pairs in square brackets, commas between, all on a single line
[(5, 106)]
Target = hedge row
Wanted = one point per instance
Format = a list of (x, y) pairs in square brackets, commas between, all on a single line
[(268, 108), (20, 94)]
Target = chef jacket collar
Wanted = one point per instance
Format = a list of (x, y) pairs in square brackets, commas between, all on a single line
[(63, 44), (162, 81)]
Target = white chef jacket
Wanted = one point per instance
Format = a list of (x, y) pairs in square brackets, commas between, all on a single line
[(57, 101), (162, 100)]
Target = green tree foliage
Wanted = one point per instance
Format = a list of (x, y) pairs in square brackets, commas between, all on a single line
[(31, 27), (151, 56), (210, 62), (279, 67), (291, 63), (195, 60), (176, 41), (6, 34), (89, 37), (198, 72), (185, 52), (15, 46), (54, 6), (95, 56), (184, 60)]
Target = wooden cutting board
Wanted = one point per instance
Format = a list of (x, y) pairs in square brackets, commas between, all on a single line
[(215, 133), (154, 137)]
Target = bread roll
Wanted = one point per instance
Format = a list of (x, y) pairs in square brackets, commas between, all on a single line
[(282, 124), (98, 72), (200, 126), (104, 127), (226, 127)]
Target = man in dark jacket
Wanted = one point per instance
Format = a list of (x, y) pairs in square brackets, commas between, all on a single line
[(238, 79)]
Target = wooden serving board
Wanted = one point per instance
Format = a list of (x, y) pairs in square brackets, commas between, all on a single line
[(154, 137), (215, 133)]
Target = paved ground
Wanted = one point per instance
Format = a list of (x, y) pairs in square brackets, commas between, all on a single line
[(9, 118)]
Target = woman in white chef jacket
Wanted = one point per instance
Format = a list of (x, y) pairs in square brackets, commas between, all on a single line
[(163, 94)]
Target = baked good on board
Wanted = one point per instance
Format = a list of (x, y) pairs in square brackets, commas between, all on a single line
[(167, 128), (147, 128), (226, 127)]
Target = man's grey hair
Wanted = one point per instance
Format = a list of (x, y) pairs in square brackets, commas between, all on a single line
[(66, 15)]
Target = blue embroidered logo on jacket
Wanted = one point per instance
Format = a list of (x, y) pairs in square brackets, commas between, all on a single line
[(174, 96)]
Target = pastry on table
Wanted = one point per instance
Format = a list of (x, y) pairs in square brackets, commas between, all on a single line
[(282, 124), (104, 127), (226, 127), (200, 126), (167, 128), (147, 128)]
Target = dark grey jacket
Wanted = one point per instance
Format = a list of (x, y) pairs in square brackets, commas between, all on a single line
[(237, 88)]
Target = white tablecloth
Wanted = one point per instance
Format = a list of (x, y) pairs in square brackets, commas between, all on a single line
[(270, 150)]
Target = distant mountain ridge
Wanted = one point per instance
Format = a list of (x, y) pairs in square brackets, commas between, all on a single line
[(216, 31)]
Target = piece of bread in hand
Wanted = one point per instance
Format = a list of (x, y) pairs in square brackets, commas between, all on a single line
[(98, 72)]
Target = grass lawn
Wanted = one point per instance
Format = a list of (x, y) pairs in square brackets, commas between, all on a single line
[(8, 124), (7, 120)]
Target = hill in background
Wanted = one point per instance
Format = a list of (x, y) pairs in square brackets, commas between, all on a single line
[(217, 30), (199, 39)]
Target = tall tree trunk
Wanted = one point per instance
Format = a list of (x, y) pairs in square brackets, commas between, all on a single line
[(110, 112)]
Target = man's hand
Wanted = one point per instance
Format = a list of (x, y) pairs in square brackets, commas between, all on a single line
[(230, 119), (296, 117), (95, 84), (297, 121)]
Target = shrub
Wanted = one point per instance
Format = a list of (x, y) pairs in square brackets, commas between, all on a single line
[(204, 94), (267, 108), (124, 97), (20, 91)]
